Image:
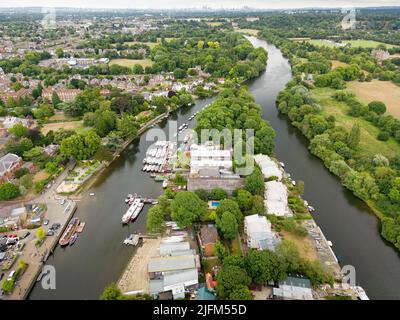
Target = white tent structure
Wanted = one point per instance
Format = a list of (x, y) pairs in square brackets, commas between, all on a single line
[(268, 167), (276, 199)]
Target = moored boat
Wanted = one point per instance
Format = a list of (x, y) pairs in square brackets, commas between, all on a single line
[(73, 239), (69, 232)]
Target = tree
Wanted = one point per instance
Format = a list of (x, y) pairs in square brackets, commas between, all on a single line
[(187, 207), (264, 266), (179, 73), (126, 127), (244, 199), (377, 106), (229, 278), (155, 219), (241, 292), (254, 182), (258, 206), (235, 260), (218, 194), (106, 121), (40, 233), (287, 251), (80, 146), (8, 191), (264, 141), (137, 69), (220, 251), (227, 226), (202, 194), (35, 154), (231, 206), (44, 111), (18, 130), (354, 136), (55, 99), (112, 292)]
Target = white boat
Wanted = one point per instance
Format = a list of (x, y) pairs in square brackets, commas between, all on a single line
[(132, 240), (165, 184), (129, 213), (137, 211)]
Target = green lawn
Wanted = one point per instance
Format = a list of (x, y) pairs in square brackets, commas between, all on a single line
[(369, 144), (353, 43), (368, 44), (150, 44), (129, 63)]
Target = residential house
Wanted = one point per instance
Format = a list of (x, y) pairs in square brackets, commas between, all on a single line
[(259, 233), (380, 55), (65, 95), (207, 237), (8, 165), (14, 95)]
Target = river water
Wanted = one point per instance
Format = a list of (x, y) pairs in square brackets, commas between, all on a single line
[(99, 257)]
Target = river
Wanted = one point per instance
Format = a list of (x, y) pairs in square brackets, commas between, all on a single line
[(98, 257)]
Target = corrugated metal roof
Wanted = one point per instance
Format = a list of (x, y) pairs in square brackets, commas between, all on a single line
[(163, 264), (168, 248)]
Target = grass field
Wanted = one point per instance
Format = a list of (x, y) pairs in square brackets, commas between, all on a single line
[(252, 32), (150, 44), (369, 144), (299, 39), (74, 125), (304, 245), (322, 43), (353, 43), (337, 64), (129, 63), (214, 23), (368, 43), (376, 90)]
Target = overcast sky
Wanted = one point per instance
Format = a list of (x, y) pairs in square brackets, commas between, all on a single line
[(168, 4)]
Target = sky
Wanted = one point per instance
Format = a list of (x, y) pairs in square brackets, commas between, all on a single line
[(170, 4)]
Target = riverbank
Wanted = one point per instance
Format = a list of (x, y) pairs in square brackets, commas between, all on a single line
[(36, 256)]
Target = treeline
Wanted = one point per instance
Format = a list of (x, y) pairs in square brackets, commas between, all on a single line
[(370, 25), (373, 178), (308, 58)]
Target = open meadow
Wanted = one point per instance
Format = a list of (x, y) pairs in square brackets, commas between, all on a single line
[(129, 63), (369, 144), (375, 90)]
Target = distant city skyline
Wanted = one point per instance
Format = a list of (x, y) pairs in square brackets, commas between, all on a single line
[(216, 4)]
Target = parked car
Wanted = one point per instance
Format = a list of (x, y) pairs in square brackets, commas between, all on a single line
[(50, 232), (62, 202), (1, 276), (25, 235), (12, 241), (55, 226), (11, 275), (46, 222)]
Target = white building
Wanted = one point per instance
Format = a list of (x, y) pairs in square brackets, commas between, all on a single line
[(294, 288), (175, 271), (268, 167), (259, 233), (276, 199), (206, 158)]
